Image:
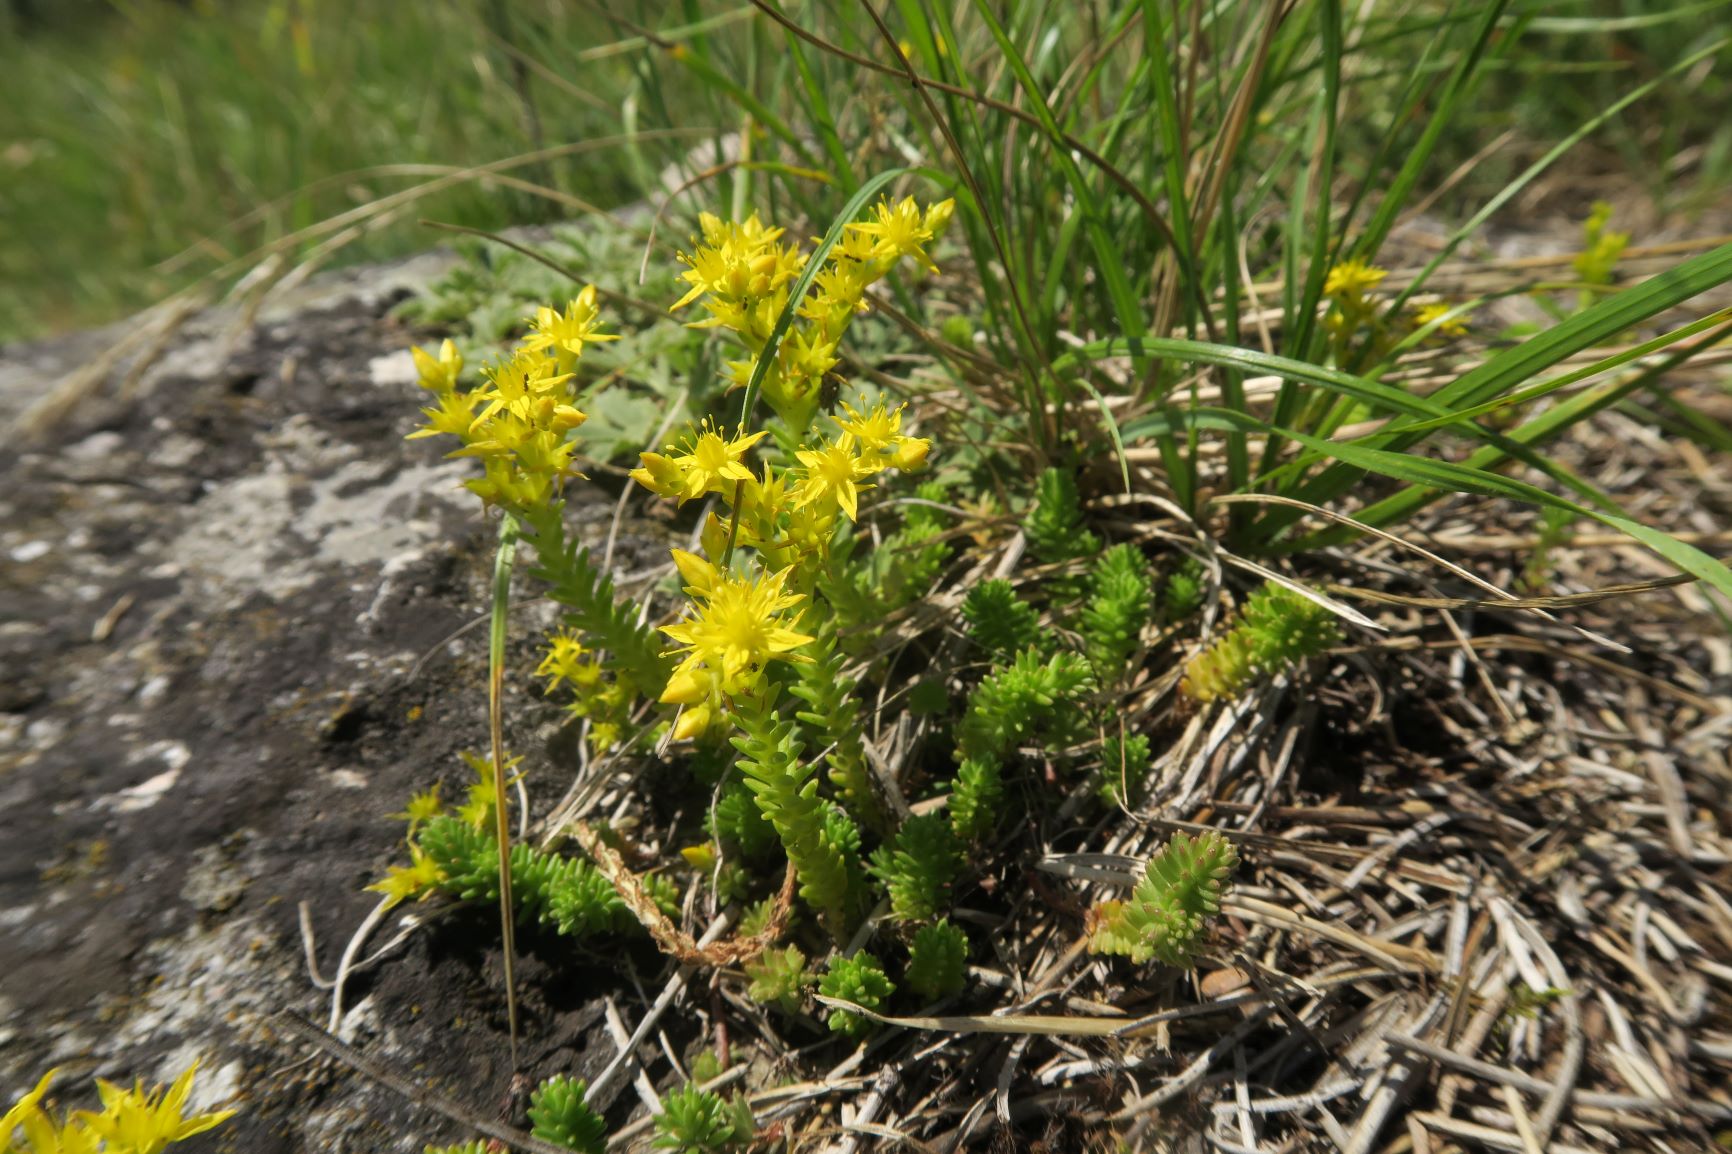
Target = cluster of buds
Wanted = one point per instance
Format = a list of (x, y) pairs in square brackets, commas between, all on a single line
[(1353, 316)]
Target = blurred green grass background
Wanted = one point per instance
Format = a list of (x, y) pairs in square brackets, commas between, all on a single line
[(146, 143)]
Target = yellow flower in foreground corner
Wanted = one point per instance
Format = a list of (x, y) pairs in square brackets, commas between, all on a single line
[(737, 628), (141, 1123), (39, 1129)]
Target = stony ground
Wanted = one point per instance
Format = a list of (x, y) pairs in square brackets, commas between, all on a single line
[(226, 599)]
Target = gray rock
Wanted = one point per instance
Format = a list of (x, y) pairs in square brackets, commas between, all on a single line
[(222, 570)]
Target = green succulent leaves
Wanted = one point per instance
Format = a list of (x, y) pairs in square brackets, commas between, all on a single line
[(557, 1114), (1276, 629), (861, 980), (1120, 604), (566, 893), (937, 960), (1165, 917), (1054, 524), (695, 1121), (787, 793), (1000, 622)]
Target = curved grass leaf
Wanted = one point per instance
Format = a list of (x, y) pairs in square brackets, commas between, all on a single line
[(1514, 367), (1429, 473)]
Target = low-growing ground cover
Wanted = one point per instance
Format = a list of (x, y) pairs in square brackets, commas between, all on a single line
[(1158, 642)]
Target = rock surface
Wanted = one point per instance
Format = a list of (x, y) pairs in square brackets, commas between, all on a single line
[(229, 650)]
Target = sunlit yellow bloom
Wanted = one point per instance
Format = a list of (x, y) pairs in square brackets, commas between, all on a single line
[(521, 456), (453, 418), (737, 628), (707, 463), (438, 376), (521, 385), (423, 807), (27, 1113), (882, 445), (840, 288), (43, 1135), (1351, 280), (1450, 328), (501, 484), (563, 335), (478, 810), (832, 473), (899, 230), (854, 253), (141, 1123), (417, 880), (739, 265), (877, 430), (565, 664)]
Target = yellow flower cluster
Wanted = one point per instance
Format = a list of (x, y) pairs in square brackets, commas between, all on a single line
[(1353, 313), (132, 1121), (605, 701), (1448, 328), (518, 420), (1351, 310), (742, 275), (788, 518), (737, 630), (1349, 281), (740, 621), (421, 877)]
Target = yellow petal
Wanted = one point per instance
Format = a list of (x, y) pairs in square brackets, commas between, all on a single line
[(700, 575), (686, 687), (911, 453), (26, 1105), (680, 631), (693, 721)]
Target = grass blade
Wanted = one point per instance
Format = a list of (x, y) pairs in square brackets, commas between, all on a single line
[(503, 560), (1428, 473), (814, 264)]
